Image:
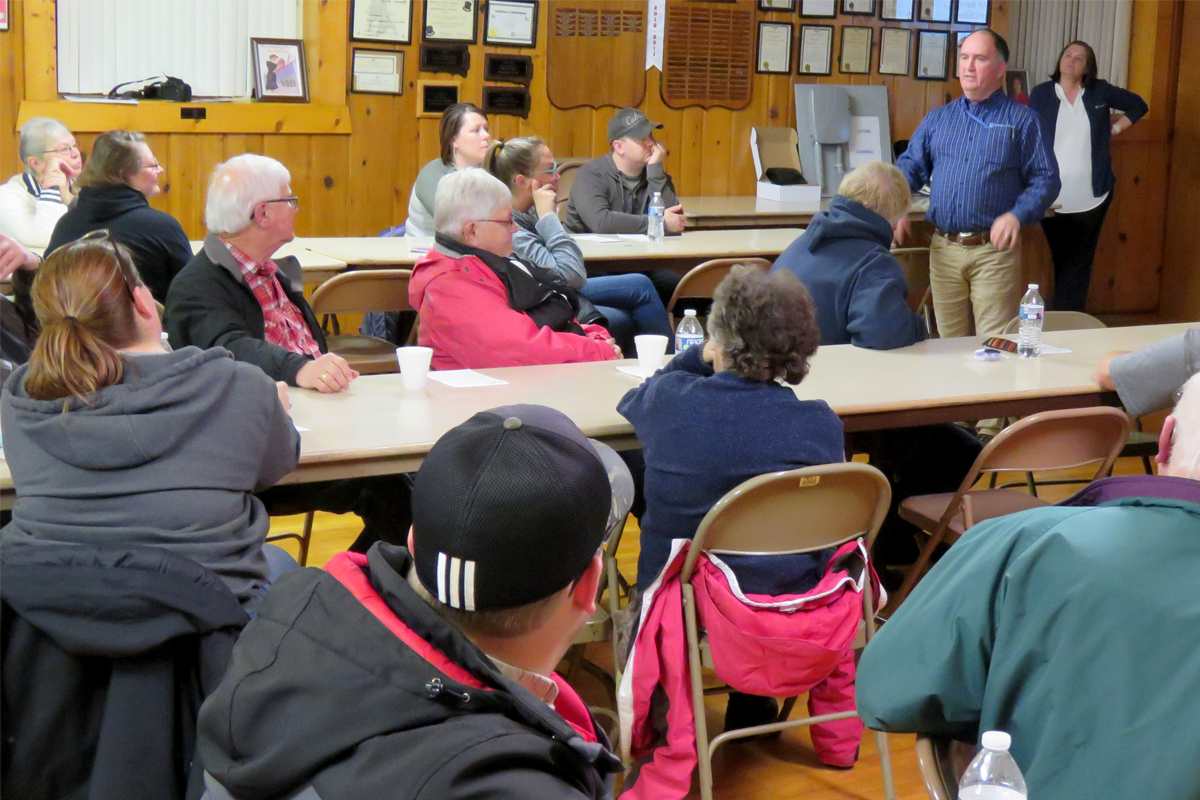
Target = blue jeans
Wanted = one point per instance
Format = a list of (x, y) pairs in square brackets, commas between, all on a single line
[(631, 305)]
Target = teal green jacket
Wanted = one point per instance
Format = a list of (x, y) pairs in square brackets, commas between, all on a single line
[(1077, 630)]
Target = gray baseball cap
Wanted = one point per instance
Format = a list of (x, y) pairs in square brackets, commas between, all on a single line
[(632, 123)]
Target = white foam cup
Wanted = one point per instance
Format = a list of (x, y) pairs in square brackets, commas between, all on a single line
[(414, 365), (650, 351)]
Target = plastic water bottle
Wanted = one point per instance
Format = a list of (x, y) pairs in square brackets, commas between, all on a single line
[(655, 228), (993, 775), (690, 331), (1033, 311)]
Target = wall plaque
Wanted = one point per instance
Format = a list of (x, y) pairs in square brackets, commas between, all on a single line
[(503, 100), (452, 58), (436, 98), (508, 69)]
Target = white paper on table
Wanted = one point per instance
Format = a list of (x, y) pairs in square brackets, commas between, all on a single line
[(464, 378), (633, 237), (1049, 349), (634, 370), (299, 428), (595, 237), (864, 141)]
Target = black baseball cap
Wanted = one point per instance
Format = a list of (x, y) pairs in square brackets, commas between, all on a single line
[(508, 508), (632, 123)]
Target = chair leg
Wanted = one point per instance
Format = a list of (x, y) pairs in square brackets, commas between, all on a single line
[(703, 759), (786, 710), (1146, 464), (306, 538), (1031, 483), (885, 765)]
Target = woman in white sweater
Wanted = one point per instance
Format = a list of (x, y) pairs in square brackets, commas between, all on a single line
[(32, 201)]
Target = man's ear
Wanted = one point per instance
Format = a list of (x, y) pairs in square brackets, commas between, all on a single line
[(1164, 441), (410, 540), (618, 147), (583, 595)]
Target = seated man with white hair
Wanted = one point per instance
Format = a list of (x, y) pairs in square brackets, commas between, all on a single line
[(232, 294), (1072, 627), (481, 306), (844, 260), (32, 201)]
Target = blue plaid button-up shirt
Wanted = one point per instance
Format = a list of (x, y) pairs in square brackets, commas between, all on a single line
[(982, 160)]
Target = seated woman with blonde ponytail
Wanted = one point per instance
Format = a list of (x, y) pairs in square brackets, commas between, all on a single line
[(114, 441)]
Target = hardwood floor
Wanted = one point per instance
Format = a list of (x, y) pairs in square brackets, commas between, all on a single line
[(777, 769)]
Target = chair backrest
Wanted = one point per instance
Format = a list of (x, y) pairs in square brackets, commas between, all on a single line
[(1059, 321), (567, 168), (701, 280), (1056, 440), (797, 511), (359, 291), (942, 762)]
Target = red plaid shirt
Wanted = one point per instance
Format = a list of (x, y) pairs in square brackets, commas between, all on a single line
[(283, 324)]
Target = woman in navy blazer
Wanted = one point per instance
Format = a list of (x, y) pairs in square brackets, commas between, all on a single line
[(1075, 107)]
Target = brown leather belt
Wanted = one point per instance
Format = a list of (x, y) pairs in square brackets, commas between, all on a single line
[(965, 239)]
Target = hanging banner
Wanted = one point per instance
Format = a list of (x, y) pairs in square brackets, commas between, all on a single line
[(656, 12)]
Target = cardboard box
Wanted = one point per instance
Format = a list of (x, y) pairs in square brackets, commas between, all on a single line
[(777, 147)]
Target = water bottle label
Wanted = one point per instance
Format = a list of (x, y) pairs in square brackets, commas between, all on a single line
[(1032, 312), (683, 341), (656, 212)]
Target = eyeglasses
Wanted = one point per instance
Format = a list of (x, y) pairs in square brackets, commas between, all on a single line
[(293, 201), (128, 273), (553, 168), (508, 223), (65, 150), (155, 166)]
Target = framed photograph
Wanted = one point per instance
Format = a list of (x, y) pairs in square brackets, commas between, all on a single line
[(960, 37), (777, 5), (377, 71), (859, 7), (280, 74), (932, 49), (825, 9), (934, 11), (381, 21), (972, 12), (816, 50), (895, 46), (774, 48), (1016, 86), (450, 21), (898, 10), (511, 23), (855, 56)]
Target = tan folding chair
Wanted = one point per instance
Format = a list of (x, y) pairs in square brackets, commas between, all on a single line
[(1140, 444), (1045, 442), (797, 511), (942, 762), (566, 176), (701, 280), (915, 263), (357, 292)]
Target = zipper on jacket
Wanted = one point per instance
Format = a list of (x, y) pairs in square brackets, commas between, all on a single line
[(435, 687)]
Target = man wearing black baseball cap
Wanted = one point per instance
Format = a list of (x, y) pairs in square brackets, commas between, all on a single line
[(428, 672)]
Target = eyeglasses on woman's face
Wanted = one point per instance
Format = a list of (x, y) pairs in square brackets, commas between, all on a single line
[(65, 151)]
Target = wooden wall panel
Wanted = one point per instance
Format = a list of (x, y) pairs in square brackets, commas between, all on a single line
[(1181, 260)]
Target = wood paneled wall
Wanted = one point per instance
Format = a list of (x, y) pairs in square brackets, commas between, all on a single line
[(358, 184), (1181, 261)]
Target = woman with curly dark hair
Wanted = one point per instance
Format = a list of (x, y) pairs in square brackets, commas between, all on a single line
[(720, 414)]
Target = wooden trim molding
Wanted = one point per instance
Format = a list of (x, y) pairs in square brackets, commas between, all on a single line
[(150, 116)]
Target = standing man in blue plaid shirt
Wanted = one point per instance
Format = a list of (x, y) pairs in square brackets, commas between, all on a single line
[(991, 172)]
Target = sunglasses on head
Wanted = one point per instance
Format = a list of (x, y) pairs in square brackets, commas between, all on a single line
[(124, 265)]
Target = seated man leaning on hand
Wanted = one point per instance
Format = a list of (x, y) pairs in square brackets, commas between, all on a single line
[(233, 295), (428, 672), (1071, 627), (845, 261)]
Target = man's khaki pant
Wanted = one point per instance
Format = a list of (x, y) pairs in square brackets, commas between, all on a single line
[(980, 279)]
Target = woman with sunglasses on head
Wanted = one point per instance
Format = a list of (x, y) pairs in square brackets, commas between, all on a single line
[(1076, 106), (114, 194), (628, 302), (114, 441), (464, 138)]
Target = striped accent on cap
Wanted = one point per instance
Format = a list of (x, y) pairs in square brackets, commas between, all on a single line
[(456, 582)]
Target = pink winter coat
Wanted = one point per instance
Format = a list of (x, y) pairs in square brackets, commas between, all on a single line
[(466, 319), (770, 646)]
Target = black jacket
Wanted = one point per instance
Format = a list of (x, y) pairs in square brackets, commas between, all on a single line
[(210, 305), (322, 697), (160, 247), (108, 654), (1098, 100)]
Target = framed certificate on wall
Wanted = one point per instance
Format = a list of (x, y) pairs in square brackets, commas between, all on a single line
[(932, 47), (825, 9), (972, 12), (855, 56), (864, 8), (511, 23), (777, 5), (897, 10), (774, 48), (381, 21), (895, 45), (934, 11), (816, 50), (450, 21)]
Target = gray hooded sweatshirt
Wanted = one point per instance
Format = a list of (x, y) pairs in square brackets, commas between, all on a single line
[(168, 458)]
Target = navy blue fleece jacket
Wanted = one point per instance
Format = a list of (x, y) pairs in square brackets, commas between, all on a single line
[(703, 433), (858, 288)]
